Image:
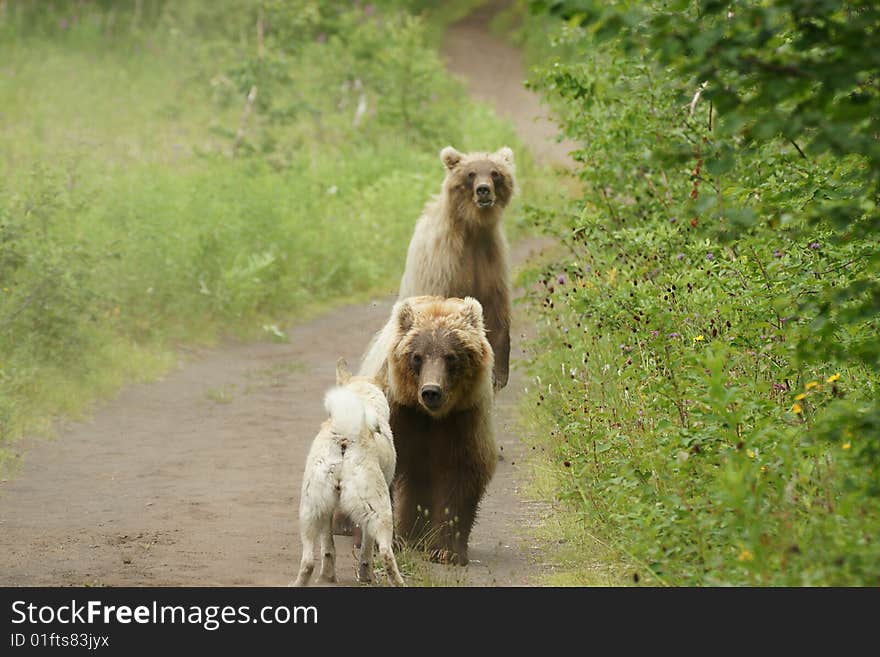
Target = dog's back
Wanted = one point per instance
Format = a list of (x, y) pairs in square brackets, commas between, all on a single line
[(346, 432)]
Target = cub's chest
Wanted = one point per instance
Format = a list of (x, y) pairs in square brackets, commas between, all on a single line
[(473, 268)]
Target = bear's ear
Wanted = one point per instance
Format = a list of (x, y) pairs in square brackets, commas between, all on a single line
[(450, 157), (343, 374), (405, 316), (472, 311), (505, 154)]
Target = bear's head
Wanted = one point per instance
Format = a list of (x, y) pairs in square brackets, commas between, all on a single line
[(441, 360), (478, 185)]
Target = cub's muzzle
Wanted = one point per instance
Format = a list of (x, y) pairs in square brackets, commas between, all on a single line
[(483, 195)]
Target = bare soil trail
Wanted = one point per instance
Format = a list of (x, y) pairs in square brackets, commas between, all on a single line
[(494, 73), (194, 479)]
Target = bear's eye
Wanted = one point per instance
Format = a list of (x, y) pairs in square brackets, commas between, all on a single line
[(451, 360), (472, 175), (416, 361), (496, 175)]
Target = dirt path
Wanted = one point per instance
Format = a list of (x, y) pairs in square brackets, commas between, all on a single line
[(194, 479), (494, 73)]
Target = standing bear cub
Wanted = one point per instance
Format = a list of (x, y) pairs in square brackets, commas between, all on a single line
[(435, 367), (458, 248)]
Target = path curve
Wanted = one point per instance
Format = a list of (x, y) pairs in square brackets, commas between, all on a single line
[(494, 73), (194, 479)]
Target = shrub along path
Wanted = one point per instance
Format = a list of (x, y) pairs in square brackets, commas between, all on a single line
[(194, 479)]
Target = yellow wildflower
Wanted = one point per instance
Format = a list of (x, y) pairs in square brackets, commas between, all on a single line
[(813, 384), (803, 395), (797, 408), (832, 378), (750, 453), (763, 468), (745, 555), (698, 338), (846, 445)]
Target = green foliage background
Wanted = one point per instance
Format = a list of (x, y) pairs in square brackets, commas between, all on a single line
[(144, 204), (707, 370)]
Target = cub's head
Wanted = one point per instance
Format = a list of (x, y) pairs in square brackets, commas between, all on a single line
[(441, 361), (479, 185)]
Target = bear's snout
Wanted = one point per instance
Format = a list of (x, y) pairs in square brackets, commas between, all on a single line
[(432, 396), (484, 195)]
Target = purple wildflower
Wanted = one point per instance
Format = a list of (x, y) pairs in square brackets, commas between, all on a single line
[(561, 279), (777, 253), (680, 256), (710, 256), (815, 245), (674, 335)]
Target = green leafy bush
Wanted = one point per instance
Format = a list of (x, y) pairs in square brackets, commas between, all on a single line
[(710, 352)]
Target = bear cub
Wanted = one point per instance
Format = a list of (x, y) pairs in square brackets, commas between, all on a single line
[(458, 248)]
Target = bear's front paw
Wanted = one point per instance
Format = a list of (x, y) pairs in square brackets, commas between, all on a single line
[(449, 557)]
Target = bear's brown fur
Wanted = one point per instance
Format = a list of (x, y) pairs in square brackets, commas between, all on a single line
[(458, 248), (437, 375)]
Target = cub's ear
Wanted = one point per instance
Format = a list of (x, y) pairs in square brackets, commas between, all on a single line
[(450, 157), (505, 154), (343, 374), (404, 315), (472, 311)]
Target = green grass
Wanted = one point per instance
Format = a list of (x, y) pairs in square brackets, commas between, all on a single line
[(573, 555), (127, 229)]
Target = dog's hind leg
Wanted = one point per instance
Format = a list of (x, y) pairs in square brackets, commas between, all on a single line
[(365, 565), (384, 535), (309, 535), (328, 551)]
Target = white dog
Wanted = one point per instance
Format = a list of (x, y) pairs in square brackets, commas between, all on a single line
[(349, 467)]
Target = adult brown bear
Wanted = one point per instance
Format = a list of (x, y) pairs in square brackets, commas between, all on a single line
[(435, 368), (458, 248)]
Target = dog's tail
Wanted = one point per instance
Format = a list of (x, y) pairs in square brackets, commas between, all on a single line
[(348, 413)]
